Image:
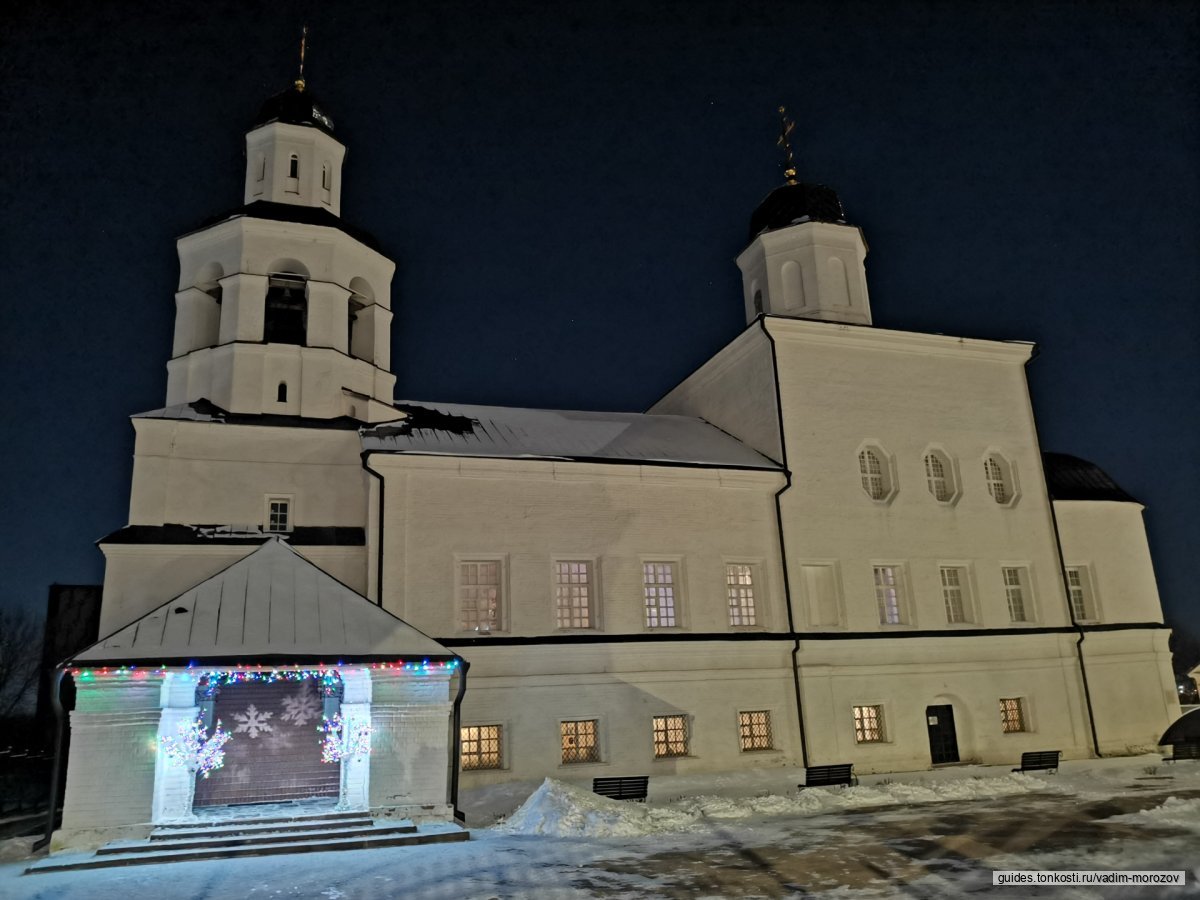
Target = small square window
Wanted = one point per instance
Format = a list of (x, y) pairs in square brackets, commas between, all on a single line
[(481, 746), (659, 581), (868, 725), (754, 730), (279, 514), (480, 594), (1012, 715), (739, 587), (670, 736), (573, 594), (580, 741)]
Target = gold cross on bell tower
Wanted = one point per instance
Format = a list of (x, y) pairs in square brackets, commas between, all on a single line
[(785, 141), (303, 46)]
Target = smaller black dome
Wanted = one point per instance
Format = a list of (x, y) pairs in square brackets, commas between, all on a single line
[(790, 204), (295, 107)]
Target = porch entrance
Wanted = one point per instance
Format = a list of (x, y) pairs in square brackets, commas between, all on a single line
[(275, 751), (943, 741)]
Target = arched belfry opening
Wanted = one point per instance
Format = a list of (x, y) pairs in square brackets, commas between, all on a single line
[(285, 318)]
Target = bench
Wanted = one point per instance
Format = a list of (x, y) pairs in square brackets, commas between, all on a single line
[(623, 787), (1184, 750), (1037, 760), (824, 776)]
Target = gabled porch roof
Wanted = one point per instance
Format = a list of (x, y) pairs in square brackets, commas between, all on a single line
[(273, 606)]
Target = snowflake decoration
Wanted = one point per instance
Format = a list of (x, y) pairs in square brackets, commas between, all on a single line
[(300, 707), (194, 750), (252, 721), (343, 741)]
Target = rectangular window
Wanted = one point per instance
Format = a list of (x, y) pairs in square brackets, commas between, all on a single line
[(279, 514), (754, 730), (573, 594), (1082, 607), (868, 724), (1015, 582), (670, 736), (1012, 715), (888, 594), (479, 594), (954, 593), (658, 580), (739, 586), (481, 747), (580, 741)]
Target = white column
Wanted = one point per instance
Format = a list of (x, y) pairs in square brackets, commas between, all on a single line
[(174, 785), (356, 710)]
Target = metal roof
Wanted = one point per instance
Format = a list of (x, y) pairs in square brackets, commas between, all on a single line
[(272, 604), (453, 429), (1071, 478)]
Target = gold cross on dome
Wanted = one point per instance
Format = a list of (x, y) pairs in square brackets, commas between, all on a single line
[(303, 46), (785, 141)]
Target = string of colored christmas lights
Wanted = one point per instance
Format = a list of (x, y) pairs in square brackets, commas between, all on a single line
[(194, 750), (256, 672), (344, 741)]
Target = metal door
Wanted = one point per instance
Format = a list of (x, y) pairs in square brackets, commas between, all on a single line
[(943, 742), (275, 750)]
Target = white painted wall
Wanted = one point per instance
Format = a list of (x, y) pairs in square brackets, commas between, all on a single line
[(268, 152)]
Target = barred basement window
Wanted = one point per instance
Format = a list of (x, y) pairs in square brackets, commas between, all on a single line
[(870, 469), (888, 596), (580, 743), (481, 746), (1012, 715), (739, 586), (1015, 580), (754, 730), (573, 594), (670, 736), (954, 582), (868, 724), (479, 595), (658, 581)]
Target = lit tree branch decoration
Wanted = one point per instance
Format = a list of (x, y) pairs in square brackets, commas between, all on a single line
[(343, 741), (194, 750)]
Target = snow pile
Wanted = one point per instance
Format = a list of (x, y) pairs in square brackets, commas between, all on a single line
[(16, 848), (1173, 812), (563, 810)]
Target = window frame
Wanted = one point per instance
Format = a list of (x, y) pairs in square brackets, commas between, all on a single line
[(966, 588), (598, 742), (741, 730), (1008, 477), (1028, 595), (757, 593), (1087, 588), (951, 480), (678, 593), (905, 616), (881, 720), (593, 584), (670, 721), (889, 483), (501, 749), (501, 560), (268, 500), (1022, 708)]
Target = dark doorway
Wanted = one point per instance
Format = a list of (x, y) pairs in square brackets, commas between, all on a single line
[(943, 742)]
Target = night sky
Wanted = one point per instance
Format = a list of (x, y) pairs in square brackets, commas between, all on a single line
[(565, 186)]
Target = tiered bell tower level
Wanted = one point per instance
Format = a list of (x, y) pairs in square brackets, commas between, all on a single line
[(804, 260), (282, 307)]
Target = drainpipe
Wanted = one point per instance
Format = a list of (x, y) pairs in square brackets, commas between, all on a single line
[(56, 769), (456, 741), (783, 562), (378, 534)]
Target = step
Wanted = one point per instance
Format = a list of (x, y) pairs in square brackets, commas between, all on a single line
[(258, 826), (311, 846), (273, 837), (251, 819)]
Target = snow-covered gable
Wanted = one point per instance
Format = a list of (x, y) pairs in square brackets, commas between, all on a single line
[(272, 605), (495, 431)]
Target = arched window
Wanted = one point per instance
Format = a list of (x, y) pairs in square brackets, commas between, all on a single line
[(871, 470), (937, 477), (326, 179), (294, 166), (286, 319), (995, 470), (281, 393)]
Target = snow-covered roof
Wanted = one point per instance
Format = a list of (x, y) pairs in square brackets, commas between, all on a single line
[(271, 605), (454, 429)]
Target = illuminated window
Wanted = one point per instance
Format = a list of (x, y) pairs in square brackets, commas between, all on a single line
[(1016, 581), (479, 595), (1083, 609), (954, 593), (1012, 715), (938, 477), (659, 582), (754, 730), (739, 586), (889, 595), (573, 594), (670, 736), (868, 724), (580, 741), (279, 514), (995, 470), (870, 469), (481, 747)]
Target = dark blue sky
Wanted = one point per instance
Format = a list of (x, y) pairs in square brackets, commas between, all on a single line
[(564, 187)]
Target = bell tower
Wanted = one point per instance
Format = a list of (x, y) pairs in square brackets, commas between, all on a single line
[(282, 307), (804, 260)]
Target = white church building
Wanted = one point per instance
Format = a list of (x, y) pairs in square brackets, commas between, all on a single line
[(831, 543)]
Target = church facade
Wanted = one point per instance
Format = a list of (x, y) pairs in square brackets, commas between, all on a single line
[(830, 543)]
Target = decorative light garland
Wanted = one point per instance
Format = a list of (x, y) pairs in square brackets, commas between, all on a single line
[(344, 741), (256, 671), (329, 679), (194, 750)]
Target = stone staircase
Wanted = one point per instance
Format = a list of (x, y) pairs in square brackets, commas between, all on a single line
[(227, 839)]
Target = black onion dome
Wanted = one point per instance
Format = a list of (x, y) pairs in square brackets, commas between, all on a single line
[(1071, 478), (791, 204), (295, 107)]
